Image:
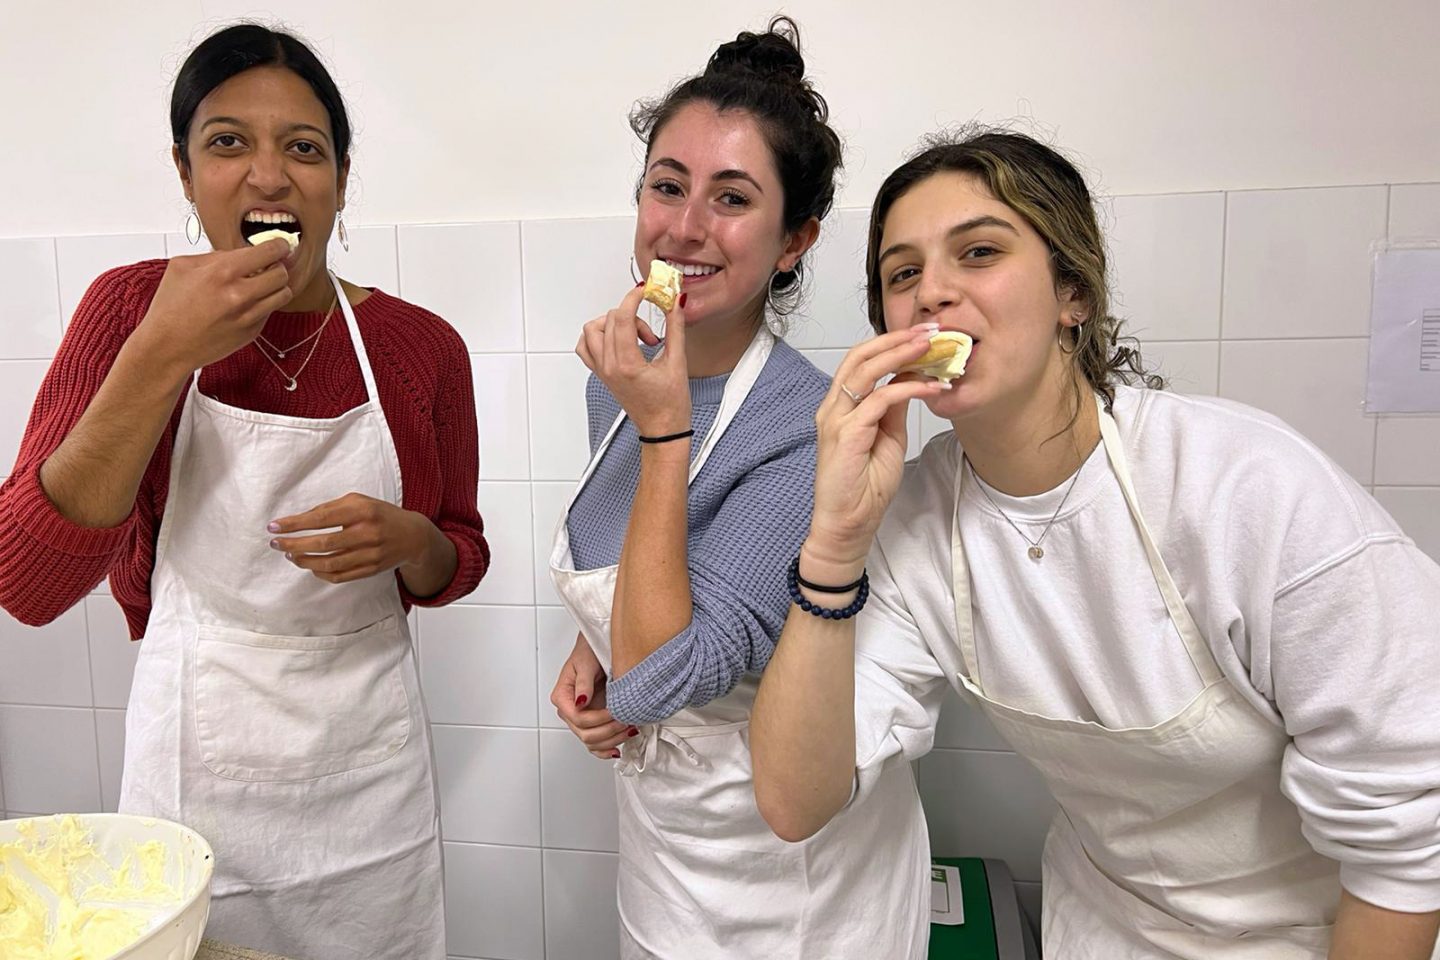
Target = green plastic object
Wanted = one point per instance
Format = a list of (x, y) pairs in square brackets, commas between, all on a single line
[(975, 938)]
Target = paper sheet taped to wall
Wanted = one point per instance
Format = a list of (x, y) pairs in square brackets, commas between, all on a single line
[(1405, 330)]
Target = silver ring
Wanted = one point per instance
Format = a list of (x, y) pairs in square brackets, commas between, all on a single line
[(852, 394)]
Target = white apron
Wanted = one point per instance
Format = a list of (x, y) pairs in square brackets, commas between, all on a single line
[(1172, 841), (701, 875), (277, 714)]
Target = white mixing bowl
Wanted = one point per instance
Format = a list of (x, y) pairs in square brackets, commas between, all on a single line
[(174, 933)]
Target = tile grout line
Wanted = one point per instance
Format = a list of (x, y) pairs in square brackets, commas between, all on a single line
[(1375, 435), (59, 297), (1224, 246), (94, 717), (399, 291)]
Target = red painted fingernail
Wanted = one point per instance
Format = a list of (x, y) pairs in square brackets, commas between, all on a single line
[(683, 297), (581, 700), (640, 284), (633, 732), (615, 755)]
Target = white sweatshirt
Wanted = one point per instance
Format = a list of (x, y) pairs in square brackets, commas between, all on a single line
[(1317, 607)]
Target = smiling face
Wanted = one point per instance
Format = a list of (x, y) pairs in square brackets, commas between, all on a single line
[(260, 157), (952, 254), (712, 205)]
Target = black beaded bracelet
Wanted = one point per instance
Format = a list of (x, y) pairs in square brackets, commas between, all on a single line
[(827, 613), (668, 437)]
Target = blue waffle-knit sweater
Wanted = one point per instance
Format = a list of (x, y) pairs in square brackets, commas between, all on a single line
[(749, 511)]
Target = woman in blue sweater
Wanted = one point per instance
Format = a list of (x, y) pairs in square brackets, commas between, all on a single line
[(697, 493)]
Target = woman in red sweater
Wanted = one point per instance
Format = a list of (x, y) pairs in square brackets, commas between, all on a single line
[(227, 437)]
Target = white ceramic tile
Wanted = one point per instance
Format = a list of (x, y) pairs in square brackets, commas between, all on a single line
[(489, 784), (110, 735), (19, 382), (1407, 451), (577, 795), (502, 414), (370, 261), (827, 360), (1417, 510), (1297, 262), (493, 902), (470, 275), (1189, 366), (581, 919), (962, 725), (550, 500), (1165, 265), (176, 245), (81, 259), (1415, 211), (833, 315), (48, 758), (555, 634), (32, 299), (1316, 386), (112, 653), (575, 270), (982, 804), (478, 665), (505, 508), (559, 435), (46, 665)]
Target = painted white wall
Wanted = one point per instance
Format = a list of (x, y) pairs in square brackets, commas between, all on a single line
[(1200, 124), (471, 111)]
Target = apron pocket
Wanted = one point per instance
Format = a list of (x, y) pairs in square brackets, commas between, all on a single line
[(276, 708)]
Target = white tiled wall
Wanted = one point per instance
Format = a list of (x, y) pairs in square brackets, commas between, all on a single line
[(1259, 296)]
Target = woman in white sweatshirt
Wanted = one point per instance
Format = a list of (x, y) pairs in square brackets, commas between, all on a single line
[(1217, 648)]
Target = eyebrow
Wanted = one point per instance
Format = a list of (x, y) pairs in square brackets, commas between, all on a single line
[(730, 174), (294, 127), (973, 223)]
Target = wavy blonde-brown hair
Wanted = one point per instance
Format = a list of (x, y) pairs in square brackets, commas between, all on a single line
[(1043, 187)]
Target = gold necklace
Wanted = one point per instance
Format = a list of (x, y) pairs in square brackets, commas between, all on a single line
[(292, 382)]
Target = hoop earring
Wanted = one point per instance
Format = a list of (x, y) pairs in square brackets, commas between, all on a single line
[(635, 270), (340, 231), (193, 232)]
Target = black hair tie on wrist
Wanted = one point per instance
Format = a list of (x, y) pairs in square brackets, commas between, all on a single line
[(827, 613), (668, 437)]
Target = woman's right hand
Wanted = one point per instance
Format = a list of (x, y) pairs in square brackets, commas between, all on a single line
[(579, 700), (210, 305), (861, 451)]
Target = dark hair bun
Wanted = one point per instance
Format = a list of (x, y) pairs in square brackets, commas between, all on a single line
[(773, 55)]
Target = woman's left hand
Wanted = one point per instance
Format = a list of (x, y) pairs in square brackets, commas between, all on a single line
[(374, 536), (655, 394)]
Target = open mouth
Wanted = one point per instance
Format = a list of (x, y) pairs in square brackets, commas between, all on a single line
[(259, 221)]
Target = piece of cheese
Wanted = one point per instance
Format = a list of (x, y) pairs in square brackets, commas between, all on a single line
[(662, 287), (291, 238), (945, 360)]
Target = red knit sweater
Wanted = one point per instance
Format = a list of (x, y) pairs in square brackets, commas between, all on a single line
[(422, 372)]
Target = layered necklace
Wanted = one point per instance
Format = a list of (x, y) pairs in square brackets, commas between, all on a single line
[(291, 382)]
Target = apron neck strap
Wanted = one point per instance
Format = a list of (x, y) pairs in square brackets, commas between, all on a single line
[(356, 341)]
